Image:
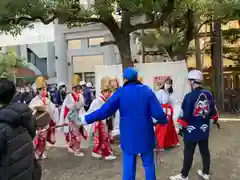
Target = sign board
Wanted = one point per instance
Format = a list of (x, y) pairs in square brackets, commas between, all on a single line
[(158, 82), (152, 74)]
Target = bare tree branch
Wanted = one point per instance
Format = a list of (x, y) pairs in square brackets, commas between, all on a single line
[(107, 43), (231, 58), (203, 23)]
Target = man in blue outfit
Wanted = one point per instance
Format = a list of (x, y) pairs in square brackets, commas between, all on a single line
[(198, 112), (137, 104)]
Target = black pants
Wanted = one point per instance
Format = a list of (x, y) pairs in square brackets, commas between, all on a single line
[(189, 149)]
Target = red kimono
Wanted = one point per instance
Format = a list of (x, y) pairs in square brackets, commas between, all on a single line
[(166, 134), (102, 137)]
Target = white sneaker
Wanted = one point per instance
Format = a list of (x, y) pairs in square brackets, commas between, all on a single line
[(79, 154), (96, 155), (44, 156), (178, 144), (202, 175), (110, 157), (178, 177), (70, 150)]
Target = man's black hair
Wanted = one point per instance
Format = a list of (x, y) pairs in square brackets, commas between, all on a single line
[(7, 91)]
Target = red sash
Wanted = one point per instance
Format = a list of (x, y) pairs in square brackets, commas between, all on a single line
[(103, 98), (66, 110)]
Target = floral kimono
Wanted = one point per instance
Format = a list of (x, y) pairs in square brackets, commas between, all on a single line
[(73, 133)]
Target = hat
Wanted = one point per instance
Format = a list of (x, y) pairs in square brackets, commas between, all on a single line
[(82, 83), (195, 75), (40, 82), (115, 78), (130, 74), (61, 84), (89, 84), (105, 83), (75, 80)]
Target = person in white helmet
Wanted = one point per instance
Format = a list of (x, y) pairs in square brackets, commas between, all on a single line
[(87, 94), (60, 94), (198, 111)]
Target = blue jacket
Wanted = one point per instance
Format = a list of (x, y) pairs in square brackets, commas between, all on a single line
[(198, 108), (58, 98), (137, 104), (88, 97)]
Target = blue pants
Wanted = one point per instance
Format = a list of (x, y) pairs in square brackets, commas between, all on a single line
[(130, 163)]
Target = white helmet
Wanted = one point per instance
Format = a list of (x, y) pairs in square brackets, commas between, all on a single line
[(82, 83), (195, 75), (89, 84), (61, 84)]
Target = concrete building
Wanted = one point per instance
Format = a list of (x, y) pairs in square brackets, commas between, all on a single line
[(69, 51), (59, 52), (79, 50)]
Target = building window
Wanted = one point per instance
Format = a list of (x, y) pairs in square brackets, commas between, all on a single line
[(95, 42), (86, 63), (87, 77), (90, 77), (74, 44)]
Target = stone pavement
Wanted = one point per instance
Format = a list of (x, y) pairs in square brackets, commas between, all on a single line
[(224, 146)]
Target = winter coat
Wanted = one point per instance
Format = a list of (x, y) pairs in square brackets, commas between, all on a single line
[(17, 130), (17, 97), (137, 104)]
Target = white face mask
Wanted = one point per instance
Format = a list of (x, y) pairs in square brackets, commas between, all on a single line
[(27, 90)]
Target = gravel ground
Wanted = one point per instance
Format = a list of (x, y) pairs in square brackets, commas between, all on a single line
[(224, 146)]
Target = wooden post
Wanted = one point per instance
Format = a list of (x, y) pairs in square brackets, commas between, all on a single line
[(218, 66), (198, 54)]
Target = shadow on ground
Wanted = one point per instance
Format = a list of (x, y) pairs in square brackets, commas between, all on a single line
[(225, 151)]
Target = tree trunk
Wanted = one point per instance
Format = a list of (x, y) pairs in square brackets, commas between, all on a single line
[(125, 51), (218, 66), (183, 52), (198, 54)]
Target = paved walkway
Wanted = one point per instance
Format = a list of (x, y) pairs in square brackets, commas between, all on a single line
[(225, 149)]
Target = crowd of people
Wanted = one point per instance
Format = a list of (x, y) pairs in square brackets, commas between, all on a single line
[(142, 118)]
